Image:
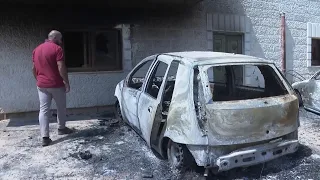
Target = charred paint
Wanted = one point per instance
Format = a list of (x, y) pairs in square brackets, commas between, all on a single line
[(251, 120), (219, 127)]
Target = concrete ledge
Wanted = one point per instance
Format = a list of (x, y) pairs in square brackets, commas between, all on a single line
[(70, 111)]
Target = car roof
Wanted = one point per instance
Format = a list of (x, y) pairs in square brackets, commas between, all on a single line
[(208, 57)]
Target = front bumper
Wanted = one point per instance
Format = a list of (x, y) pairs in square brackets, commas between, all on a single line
[(257, 154)]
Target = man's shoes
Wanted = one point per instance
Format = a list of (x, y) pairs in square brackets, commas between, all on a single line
[(64, 131), (46, 141)]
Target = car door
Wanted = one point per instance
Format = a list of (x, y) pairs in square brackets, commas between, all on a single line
[(148, 105), (313, 92), (133, 89)]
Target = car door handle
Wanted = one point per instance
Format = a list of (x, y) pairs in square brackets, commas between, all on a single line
[(150, 109)]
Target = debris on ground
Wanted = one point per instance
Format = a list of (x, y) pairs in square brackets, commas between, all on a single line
[(117, 152), (147, 174), (108, 122), (85, 155)]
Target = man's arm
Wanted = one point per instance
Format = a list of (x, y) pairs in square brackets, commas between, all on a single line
[(63, 71), (64, 74)]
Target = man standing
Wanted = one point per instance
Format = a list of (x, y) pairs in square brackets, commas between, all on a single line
[(50, 71)]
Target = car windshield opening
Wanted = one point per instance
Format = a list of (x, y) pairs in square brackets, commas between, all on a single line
[(241, 82)]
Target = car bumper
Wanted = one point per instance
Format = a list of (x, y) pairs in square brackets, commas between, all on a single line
[(255, 155)]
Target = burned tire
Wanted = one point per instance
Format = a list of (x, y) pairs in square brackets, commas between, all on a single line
[(179, 156), (299, 97)]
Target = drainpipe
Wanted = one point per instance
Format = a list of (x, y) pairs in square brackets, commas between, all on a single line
[(283, 43)]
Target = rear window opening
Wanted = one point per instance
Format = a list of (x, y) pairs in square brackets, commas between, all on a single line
[(241, 82)]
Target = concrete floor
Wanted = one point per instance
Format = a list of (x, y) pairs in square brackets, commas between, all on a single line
[(118, 153)]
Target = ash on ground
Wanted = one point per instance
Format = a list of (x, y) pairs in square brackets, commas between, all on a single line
[(105, 148)]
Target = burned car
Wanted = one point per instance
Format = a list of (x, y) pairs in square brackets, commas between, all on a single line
[(308, 93), (216, 110)]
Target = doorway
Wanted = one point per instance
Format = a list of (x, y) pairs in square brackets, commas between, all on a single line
[(230, 43)]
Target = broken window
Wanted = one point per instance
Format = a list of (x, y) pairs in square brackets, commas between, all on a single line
[(156, 79), (218, 81), (92, 50), (169, 87), (315, 51), (138, 76), (263, 81)]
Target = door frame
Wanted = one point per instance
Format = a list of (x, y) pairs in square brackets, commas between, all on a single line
[(160, 93), (126, 85), (231, 34), (224, 33)]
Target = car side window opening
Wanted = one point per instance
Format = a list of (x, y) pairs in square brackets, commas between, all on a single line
[(137, 78), (258, 81), (156, 79), (169, 87)]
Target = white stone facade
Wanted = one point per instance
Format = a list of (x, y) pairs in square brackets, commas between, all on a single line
[(258, 20)]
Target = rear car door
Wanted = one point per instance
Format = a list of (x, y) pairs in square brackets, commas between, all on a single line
[(149, 100), (133, 89)]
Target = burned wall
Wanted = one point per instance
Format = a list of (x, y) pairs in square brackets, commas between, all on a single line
[(21, 30), (163, 29)]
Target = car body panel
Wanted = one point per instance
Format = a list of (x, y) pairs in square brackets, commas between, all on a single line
[(253, 120), (129, 97), (193, 120), (229, 122), (309, 91), (148, 106), (182, 124)]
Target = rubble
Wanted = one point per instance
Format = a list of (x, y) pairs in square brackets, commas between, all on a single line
[(147, 174), (85, 155)]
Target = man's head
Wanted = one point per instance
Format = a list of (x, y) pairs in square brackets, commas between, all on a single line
[(55, 36)]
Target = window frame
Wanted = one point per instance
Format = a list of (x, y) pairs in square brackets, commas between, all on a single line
[(151, 73), (89, 50), (135, 69), (204, 69), (317, 64)]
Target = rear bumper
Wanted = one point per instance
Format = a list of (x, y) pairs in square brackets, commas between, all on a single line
[(257, 154)]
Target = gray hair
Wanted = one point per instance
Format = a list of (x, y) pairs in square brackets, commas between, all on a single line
[(54, 34)]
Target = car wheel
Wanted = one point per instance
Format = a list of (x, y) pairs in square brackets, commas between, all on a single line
[(299, 98), (118, 111), (179, 156)]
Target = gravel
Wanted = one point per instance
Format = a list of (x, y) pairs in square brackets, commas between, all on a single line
[(103, 148)]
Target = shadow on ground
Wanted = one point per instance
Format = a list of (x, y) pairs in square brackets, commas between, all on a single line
[(19, 122), (107, 129)]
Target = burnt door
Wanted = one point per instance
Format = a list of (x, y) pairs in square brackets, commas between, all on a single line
[(149, 100)]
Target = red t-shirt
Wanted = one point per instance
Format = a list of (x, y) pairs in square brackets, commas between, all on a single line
[(45, 58)]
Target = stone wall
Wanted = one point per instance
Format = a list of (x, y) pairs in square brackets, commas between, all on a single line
[(188, 31)]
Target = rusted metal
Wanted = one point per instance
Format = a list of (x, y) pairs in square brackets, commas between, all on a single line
[(213, 130)]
